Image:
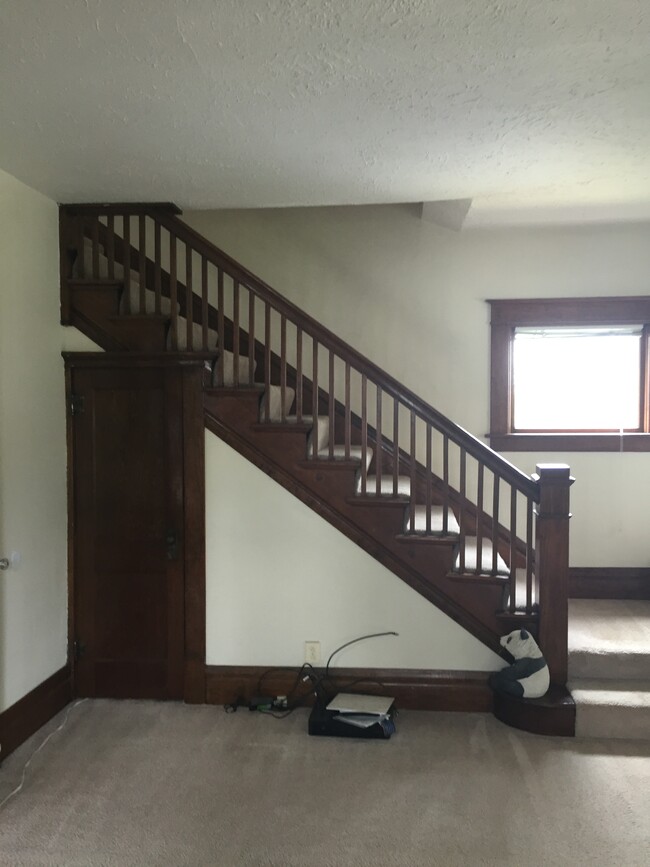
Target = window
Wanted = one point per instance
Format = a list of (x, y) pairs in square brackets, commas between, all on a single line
[(570, 374)]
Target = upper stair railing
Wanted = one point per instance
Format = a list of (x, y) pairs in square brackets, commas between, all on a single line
[(519, 523)]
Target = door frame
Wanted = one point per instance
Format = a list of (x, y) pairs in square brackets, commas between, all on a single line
[(193, 463)]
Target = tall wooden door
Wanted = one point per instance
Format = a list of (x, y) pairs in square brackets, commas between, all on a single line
[(128, 513)]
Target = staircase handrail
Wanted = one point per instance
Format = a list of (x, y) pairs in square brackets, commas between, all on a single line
[(479, 450)]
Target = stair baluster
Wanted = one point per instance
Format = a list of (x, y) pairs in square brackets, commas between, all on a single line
[(142, 259), (299, 382)]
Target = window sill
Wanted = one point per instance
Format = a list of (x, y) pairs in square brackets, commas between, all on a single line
[(567, 442)]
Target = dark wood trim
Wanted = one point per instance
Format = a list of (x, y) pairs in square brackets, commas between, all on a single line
[(130, 208), (602, 310), (570, 442), (506, 315), (413, 689), (190, 368), (132, 359), (609, 582), (70, 483), (27, 715), (552, 566), (194, 534)]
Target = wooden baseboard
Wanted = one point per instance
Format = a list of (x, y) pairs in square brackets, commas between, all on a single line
[(26, 716), (413, 689), (609, 582)]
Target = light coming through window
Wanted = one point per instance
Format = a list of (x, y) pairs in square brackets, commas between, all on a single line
[(577, 379)]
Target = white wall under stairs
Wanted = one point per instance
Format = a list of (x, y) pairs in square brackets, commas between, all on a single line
[(279, 575)]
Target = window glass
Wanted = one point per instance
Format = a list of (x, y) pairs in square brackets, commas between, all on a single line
[(579, 379)]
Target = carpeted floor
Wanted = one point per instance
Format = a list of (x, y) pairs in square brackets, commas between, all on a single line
[(145, 783)]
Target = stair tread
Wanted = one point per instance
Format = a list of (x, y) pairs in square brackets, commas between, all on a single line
[(612, 692), (471, 556), (84, 282), (229, 390), (386, 486), (338, 454), (609, 625), (437, 515), (155, 317)]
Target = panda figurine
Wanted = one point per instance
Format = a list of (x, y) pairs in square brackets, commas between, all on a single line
[(528, 676)]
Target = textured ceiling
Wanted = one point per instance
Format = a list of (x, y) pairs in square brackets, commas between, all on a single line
[(252, 103)]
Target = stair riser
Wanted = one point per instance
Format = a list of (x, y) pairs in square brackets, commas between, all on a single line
[(144, 335), (97, 302), (624, 723), (608, 666)]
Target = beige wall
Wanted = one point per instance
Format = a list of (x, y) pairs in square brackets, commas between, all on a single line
[(411, 296), (33, 595), (32, 444)]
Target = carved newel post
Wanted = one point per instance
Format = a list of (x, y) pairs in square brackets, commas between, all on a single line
[(552, 565)]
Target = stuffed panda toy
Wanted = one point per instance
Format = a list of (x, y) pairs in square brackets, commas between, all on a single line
[(528, 676)]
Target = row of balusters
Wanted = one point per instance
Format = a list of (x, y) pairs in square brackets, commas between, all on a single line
[(201, 291)]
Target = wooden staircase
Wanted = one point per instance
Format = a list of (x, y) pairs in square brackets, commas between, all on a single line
[(459, 524)]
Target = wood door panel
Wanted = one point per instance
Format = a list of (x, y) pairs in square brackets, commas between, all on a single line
[(128, 493), (131, 625)]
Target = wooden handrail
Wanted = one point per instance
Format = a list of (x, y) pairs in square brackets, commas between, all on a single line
[(121, 208), (479, 450)]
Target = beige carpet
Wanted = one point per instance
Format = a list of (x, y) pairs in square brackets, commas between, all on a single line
[(609, 667), (143, 783)]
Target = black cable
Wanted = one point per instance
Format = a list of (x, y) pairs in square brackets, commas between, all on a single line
[(354, 641), (316, 680)]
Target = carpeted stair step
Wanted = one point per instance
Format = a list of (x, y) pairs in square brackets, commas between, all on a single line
[(134, 285), (275, 403), (609, 638), (197, 339), (385, 488), (338, 454), (520, 592), (609, 667), (419, 524), (229, 371), (471, 558), (611, 708)]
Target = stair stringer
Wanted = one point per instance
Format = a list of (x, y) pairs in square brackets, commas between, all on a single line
[(232, 418)]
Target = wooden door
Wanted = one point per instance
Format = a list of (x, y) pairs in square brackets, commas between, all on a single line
[(127, 448)]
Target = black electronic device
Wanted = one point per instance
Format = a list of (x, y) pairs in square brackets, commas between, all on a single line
[(331, 724)]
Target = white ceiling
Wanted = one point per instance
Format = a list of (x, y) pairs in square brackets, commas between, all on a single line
[(521, 106)]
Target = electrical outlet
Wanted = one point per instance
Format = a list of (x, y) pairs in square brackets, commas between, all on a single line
[(312, 652)]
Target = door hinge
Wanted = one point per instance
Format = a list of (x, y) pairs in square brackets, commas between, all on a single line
[(76, 404), (78, 649)]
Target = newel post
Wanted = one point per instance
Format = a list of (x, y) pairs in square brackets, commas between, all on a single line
[(552, 565)]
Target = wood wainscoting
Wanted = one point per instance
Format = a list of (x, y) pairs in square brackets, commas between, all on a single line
[(609, 582), (413, 689), (27, 715)]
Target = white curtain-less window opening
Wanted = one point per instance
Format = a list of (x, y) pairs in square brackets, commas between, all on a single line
[(577, 379)]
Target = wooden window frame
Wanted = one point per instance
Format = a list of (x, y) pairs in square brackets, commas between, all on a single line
[(509, 314)]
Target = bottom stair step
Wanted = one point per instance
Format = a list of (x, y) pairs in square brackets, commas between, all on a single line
[(612, 709)]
